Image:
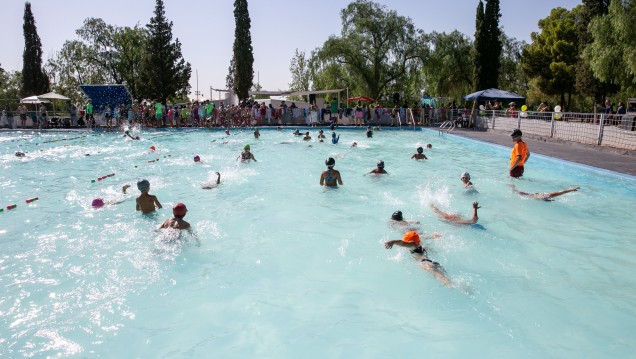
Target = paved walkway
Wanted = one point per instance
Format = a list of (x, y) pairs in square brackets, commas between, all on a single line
[(622, 161)]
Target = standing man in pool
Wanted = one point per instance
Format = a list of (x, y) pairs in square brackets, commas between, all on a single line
[(330, 177), (519, 155)]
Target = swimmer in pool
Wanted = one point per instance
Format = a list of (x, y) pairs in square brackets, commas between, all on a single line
[(330, 177), (334, 139), (543, 196), (465, 178), (369, 132), (379, 170), (127, 134), (19, 154), (178, 211), (146, 203), (246, 155), (256, 133), (354, 144), (297, 133), (307, 137), (429, 146), (397, 222), (456, 218), (412, 240), (213, 184), (321, 134), (420, 154)]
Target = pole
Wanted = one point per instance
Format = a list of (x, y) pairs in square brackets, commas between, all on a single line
[(347, 97)]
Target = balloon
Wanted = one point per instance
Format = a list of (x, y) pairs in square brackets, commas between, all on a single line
[(557, 108), (523, 114), (481, 107), (557, 116), (524, 108)]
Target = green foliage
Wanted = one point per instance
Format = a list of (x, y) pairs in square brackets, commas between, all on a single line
[(478, 51), (492, 55), (34, 80), (448, 70), (511, 76), (10, 86), (243, 51), (377, 48), (551, 57), (164, 73), (300, 72), (612, 54), (102, 54)]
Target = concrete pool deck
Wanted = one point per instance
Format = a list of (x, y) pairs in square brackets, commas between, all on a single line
[(612, 159)]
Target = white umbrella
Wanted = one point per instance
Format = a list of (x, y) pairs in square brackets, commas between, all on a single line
[(33, 99), (52, 96)]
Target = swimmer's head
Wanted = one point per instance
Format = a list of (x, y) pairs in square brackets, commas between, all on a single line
[(330, 162), (420, 149), (380, 164), (97, 203), (465, 175), (143, 185), (307, 133), (246, 148), (333, 134), (397, 216), (19, 154), (411, 237), (227, 132), (152, 148), (197, 158), (429, 146), (179, 210), (137, 138), (319, 131), (354, 144)]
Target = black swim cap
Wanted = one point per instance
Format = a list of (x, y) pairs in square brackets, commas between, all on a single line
[(330, 161), (397, 216), (380, 164), (516, 133), (420, 149)]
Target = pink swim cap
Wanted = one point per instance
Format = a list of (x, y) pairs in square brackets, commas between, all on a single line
[(179, 209), (197, 158), (97, 203)]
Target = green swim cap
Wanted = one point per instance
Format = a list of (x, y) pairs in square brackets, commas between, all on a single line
[(246, 148)]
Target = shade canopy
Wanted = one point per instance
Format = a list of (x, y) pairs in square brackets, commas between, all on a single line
[(494, 94), (33, 99), (101, 95), (52, 96), (360, 98)]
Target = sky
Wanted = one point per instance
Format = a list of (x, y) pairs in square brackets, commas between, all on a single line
[(206, 28)]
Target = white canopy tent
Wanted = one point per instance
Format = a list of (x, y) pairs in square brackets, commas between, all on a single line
[(33, 99), (53, 96)]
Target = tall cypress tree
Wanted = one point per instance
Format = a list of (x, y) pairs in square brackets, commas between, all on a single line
[(34, 80), (164, 72), (493, 38), (243, 52), (479, 50)]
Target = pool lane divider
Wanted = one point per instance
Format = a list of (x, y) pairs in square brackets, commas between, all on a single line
[(14, 206), (103, 177)]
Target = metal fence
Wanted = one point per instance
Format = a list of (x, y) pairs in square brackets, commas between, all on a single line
[(617, 131)]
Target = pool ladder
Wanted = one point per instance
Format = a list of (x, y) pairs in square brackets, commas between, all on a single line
[(446, 127)]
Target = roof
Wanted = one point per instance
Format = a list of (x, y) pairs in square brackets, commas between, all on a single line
[(493, 94), (292, 93)]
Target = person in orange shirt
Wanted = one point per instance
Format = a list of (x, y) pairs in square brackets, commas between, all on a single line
[(412, 240), (519, 155)]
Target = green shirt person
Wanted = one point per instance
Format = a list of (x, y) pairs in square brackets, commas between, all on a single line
[(334, 107), (89, 108), (158, 110), (208, 109)]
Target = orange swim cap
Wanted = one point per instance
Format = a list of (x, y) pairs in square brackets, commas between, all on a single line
[(411, 237), (152, 148)]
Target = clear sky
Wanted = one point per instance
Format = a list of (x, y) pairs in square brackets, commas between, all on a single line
[(206, 28)]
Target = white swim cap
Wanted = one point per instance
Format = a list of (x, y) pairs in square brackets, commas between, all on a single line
[(466, 174)]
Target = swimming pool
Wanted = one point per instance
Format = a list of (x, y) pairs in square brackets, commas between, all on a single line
[(286, 268)]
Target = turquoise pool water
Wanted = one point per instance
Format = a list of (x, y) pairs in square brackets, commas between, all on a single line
[(286, 268)]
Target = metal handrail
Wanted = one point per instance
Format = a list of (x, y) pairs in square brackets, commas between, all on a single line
[(447, 126)]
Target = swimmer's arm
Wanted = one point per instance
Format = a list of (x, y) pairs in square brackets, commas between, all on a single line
[(218, 178), (157, 202), (251, 155), (517, 160), (138, 207), (424, 156), (399, 242), (438, 274), (339, 179), (413, 156), (322, 179)]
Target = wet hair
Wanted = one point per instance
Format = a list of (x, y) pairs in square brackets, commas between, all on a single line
[(397, 216), (380, 164), (420, 149), (330, 162)]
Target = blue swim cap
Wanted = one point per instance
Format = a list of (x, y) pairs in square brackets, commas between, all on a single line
[(143, 185)]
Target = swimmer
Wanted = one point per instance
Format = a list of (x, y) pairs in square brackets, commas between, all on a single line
[(330, 177), (543, 196), (19, 154), (257, 134), (178, 211), (307, 137), (354, 144), (420, 154), (246, 155), (334, 139), (297, 133), (227, 132), (197, 159), (127, 134), (321, 134), (456, 218), (369, 132), (412, 240), (213, 184), (429, 146), (146, 203), (397, 222), (100, 202), (465, 178), (380, 169)]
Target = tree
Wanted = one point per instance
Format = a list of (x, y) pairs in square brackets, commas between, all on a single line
[(300, 72), (448, 70), (479, 51), (377, 47), (586, 82), (10, 87), (493, 47), (164, 73), (511, 76), (34, 80), (612, 54), (243, 52), (551, 57), (231, 74)]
